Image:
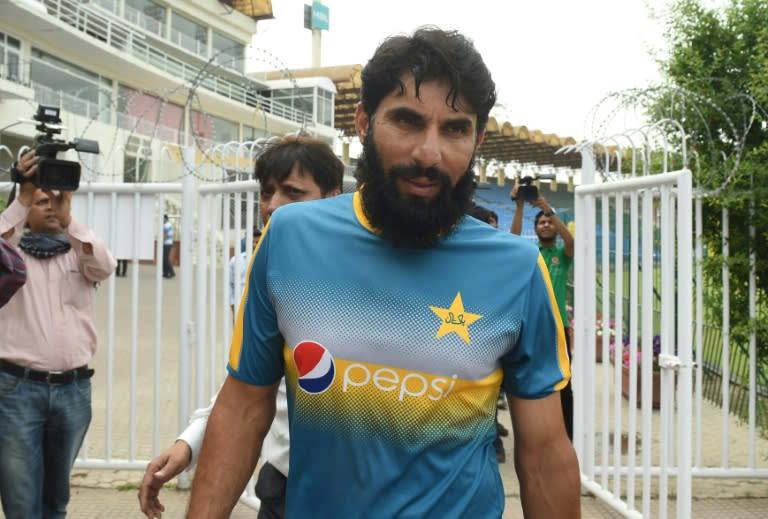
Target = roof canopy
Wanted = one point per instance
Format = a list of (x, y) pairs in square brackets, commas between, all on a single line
[(256, 9)]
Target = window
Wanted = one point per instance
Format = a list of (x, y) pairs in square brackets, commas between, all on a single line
[(136, 169), (296, 98), (146, 14), (324, 113), (227, 52), (189, 35), (146, 114), (74, 89), (314, 101), (223, 130), (107, 5), (10, 58)]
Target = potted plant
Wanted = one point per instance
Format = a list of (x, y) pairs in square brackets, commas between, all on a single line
[(599, 336), (627, 365)]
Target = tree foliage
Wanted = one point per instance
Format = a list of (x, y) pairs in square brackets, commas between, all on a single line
[(717, 71)]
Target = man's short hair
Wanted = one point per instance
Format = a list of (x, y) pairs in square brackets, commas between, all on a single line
[(482, 213), (539, 215), (313, 156), (430, 54)]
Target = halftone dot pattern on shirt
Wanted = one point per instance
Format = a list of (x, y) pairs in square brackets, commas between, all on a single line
[(368, 401), (410, 341)]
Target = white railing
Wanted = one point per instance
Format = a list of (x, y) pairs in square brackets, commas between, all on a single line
[(122, 37)]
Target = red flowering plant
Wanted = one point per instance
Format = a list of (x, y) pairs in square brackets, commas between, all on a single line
[(626, 353)]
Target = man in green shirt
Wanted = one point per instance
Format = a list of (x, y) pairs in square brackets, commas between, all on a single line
[(559, 259)]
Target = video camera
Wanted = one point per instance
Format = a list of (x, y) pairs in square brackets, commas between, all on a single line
[(526, 191), (53, 173)]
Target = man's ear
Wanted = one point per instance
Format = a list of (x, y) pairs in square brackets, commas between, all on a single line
[(480, 139), (361, 123), (331, 193)]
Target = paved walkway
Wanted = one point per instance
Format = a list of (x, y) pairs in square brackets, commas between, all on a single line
[(98, 494)]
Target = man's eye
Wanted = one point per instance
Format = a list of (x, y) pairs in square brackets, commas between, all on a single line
[(406, 119), (292, 191), (457, 129)]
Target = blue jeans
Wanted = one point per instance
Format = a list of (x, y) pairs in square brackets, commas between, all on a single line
[(42, 427), (167, 266)]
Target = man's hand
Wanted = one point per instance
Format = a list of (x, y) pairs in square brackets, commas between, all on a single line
[(61, 203), (27, 167), (542, 204), (513, 195), (160, 470)]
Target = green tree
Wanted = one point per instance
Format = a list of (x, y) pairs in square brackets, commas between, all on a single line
[(716, 69)]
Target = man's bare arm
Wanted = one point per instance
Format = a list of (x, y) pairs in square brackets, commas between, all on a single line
[(238, 423), (545, 460), (517, 220)]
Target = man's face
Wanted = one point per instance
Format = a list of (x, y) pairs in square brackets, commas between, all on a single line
[(545, 229), (41, 217), (416, 164), (299, 186)]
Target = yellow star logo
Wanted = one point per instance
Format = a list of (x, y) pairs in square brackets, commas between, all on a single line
[(455, 319)]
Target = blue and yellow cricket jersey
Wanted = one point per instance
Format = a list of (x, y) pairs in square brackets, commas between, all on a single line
[(393, 359)]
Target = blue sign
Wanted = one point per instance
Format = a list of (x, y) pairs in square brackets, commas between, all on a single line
[(320, 16)]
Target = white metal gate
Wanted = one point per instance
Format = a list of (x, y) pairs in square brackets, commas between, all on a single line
[(634, 239), (163, 344)]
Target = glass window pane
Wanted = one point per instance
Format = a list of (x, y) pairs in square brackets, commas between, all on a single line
[(10, 58), (227, 52), (108, 5), (189, 35), (146, 14), (74, 89)]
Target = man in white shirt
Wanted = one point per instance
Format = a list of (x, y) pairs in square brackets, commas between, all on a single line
[(236, 287), (291, 169)]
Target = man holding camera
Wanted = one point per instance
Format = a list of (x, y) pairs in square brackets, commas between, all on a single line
[(47, 338), (558, 259)]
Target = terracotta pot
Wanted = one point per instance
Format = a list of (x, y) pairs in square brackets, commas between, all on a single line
[(598, 348), (656, 392)]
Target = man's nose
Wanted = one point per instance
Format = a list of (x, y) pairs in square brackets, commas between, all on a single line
[(427, 151), (275, 201)]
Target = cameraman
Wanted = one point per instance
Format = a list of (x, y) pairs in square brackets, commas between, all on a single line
[(47, 338), (559, 260)]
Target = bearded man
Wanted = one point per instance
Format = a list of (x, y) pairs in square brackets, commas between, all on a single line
[(387, 314)]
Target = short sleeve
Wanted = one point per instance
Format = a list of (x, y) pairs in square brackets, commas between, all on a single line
[(255, 355), (538, 364)]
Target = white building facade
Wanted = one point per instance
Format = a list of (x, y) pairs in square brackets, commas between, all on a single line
[(146, 78)]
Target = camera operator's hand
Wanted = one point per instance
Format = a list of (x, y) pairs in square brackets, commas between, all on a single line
[(542, 204), (27, 167), (513, 194), (61, 203)]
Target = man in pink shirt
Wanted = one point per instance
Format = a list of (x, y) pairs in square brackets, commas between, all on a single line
[(47, 338)]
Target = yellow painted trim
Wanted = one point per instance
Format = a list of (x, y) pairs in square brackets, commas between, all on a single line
[(562, 354), (236, 345)]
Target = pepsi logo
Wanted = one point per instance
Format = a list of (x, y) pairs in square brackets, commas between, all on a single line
[(315, 366)]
